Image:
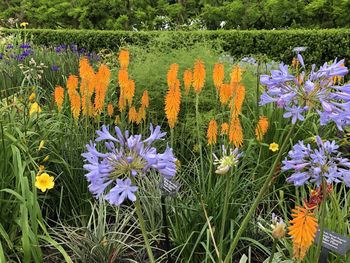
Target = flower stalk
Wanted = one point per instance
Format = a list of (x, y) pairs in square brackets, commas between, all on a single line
[(322, 215), (273, 250), (143, 230), (258, 198)]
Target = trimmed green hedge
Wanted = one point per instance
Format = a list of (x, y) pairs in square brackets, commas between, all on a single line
[(323, 45)]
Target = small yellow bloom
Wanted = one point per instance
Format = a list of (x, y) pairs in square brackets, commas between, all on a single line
[(44, 182), (24, 24), (117, 120), (34, 108), (41, 145), (46, 158), (32, 97), (274, 147), (195, 148)]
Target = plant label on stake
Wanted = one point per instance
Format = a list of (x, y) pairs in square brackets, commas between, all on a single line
[(169, 187), (332, 242)]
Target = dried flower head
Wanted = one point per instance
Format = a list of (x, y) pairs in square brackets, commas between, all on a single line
[(278, 227), (228, 160)]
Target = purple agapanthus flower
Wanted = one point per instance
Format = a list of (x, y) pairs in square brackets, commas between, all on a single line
[(125, 158), (317, 91), (310, 165)]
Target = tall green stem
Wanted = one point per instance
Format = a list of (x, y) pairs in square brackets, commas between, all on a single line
[(263, 189), (224, 214), (198, 135), (273, 250), (322, 216), (143, 230)]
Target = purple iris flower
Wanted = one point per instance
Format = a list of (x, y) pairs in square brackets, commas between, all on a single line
[(312, 165), (126, 157), (25, 46), (298, 94), (55, 68)]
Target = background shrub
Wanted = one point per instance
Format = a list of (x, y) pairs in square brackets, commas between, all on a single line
[(322, 45)]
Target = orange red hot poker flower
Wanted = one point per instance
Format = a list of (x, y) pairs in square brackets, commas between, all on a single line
[(261, 128), (187, 78), (124, 58), (218, 75), (235, 132), (224, 128), (225, 93), (212, 132), (198, 76), (172, 103), (302, 230), (59, 97), (145, 99)]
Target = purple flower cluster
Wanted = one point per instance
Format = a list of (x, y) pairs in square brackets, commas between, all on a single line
[(300, 93), (126, 157), (311, 165), (92, 56)]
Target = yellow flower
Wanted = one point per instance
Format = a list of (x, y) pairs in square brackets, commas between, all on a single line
[(41, 145), (44, 182), (24, 24), (274, 147), (32, 97), (34, 108)]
